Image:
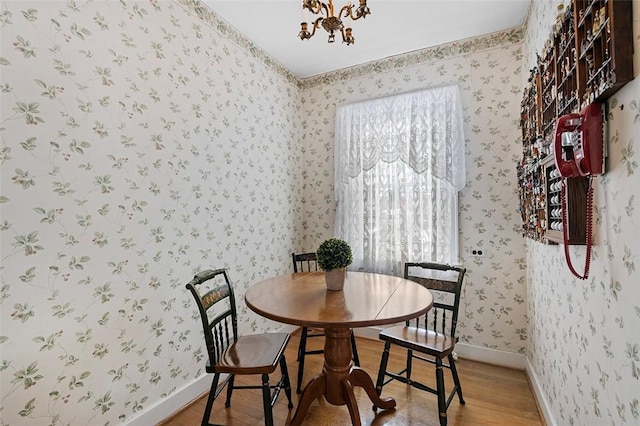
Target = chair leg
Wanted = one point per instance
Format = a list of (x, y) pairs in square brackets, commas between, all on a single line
[(302, 349), (266, 401), (354, 350), (285, 377), (210, 399), (456, 380), (442, 399), (409, 363), (382, 371), (230, 390)]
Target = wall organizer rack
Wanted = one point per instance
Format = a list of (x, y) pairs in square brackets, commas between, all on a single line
[(587, 58)]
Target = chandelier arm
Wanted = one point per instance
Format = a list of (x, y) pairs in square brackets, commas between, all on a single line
[(356, 17), (361, 12), (316, 24), (315, 12), (348, 12), (344, 37), (327, 11)]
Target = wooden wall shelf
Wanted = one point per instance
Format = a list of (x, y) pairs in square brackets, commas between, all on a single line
[(587, 59)]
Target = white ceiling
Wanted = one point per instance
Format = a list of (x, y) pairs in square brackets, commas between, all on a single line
[(394, 27)]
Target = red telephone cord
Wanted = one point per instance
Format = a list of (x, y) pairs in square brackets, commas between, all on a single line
[(587, 260)]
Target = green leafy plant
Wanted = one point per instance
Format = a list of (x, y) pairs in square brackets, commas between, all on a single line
[(334, 253)]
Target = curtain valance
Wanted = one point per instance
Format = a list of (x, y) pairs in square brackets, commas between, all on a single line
[(423, 129)]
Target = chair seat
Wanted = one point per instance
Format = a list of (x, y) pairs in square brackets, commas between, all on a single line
[(419, 339), (252, 354)]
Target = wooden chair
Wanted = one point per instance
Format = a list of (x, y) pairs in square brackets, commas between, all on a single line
[(430, 338), (307, 262), (232, 354)]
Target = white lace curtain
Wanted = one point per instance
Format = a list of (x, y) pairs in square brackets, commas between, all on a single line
[(399, 164)]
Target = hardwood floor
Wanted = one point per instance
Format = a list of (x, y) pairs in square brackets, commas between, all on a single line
[(493, 396)]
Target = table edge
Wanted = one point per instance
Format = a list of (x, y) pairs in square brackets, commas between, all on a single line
[(341, 324)]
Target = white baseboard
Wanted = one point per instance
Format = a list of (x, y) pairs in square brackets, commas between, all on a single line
[(543, 403), (491, 356), (165, 408)]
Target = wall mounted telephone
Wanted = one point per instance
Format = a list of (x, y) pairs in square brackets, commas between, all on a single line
[(579, 143), (579, 152)]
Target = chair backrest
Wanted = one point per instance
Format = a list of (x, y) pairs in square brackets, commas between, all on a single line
[(216, 302), (304, 262), (445, 283)]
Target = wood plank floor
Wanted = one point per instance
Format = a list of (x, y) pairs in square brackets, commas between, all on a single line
[(493, 396)]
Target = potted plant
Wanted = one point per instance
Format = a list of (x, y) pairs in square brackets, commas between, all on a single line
[(334, 255)]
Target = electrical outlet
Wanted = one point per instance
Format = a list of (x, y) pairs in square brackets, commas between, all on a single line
[(476, 252)]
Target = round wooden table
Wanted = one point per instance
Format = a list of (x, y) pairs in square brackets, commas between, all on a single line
[(367, 299)]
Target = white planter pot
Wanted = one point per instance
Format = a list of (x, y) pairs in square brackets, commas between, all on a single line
[(335, 279)]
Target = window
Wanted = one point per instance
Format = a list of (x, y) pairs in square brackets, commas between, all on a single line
[(399, 164)]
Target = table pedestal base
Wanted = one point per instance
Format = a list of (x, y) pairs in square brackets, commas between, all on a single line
[(338, 378)]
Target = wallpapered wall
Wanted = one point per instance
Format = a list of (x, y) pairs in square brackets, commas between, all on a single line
[(584, 343), (488, 72), (143, 141), (138, 146)]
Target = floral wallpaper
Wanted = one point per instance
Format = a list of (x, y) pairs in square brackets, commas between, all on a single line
[(488, 72), (142, 141), (138, 145), (584, 344)]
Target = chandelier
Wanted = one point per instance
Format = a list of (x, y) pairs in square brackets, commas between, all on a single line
[(329, 21)]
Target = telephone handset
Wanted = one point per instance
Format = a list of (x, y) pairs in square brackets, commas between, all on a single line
[(579, 145), (579, 151)]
